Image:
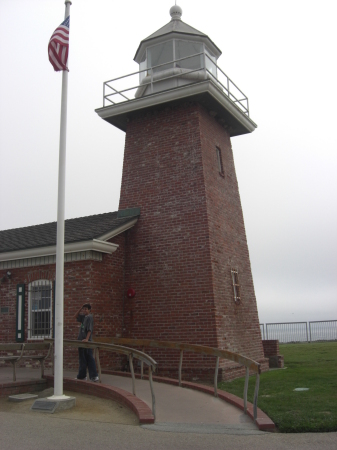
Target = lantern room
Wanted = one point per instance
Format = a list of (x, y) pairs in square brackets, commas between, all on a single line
[(174, 56), (176, 63)]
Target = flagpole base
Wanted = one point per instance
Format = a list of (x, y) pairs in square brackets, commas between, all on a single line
[(59, 398)]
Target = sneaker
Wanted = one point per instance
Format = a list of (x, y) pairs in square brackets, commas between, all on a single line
[(95, 379), (82, 379)]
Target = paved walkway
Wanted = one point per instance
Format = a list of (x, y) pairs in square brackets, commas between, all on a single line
[(176, 408), (185, 420), (180, 408)]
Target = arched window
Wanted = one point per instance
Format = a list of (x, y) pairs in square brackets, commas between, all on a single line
[(40, 309)]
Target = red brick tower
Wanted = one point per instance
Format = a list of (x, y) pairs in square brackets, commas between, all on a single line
[(187, 258)]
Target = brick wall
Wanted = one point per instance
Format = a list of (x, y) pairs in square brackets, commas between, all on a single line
[(270, 347), (189, 235), (271, 351), (98, 282), (237, 323), (178, 257)]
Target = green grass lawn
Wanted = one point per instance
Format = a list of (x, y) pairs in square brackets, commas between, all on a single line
[(312, 366)]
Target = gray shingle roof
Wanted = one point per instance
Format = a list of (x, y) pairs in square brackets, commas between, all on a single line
[(176, 26), (76, 230)]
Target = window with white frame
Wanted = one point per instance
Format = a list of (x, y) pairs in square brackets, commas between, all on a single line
[(236, 286), (40, 309)]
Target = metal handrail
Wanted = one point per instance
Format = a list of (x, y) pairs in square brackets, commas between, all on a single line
[(229, 95), (250, 364), (22, 347), (155, 67), (229, 79), (152, 82), (332, 330), (129, 352), (150, 70), (288, 332), (138, 72), (302, 327)]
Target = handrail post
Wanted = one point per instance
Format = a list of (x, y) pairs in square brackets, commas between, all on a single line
[(142, 366), (245, 391), (180, 365), (16, 360), (256, 393), (216, 377), (14, 370), (132, 374), (152, 393), (98, 364)]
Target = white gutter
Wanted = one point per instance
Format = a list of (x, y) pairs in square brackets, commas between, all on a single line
[(83, 246), (116, 231)]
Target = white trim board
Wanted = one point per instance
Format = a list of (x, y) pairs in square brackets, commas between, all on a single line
[(94, 245)]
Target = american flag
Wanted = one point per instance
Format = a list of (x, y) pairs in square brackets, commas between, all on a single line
[(58, 46)]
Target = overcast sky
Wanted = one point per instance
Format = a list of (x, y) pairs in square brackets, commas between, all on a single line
[(282, 55)]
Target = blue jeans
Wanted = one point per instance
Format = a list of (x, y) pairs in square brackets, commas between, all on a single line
[(86, 360)]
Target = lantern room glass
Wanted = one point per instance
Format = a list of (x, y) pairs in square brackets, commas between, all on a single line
[(160, 54), (174, 49), (184, 49), (211, 63)]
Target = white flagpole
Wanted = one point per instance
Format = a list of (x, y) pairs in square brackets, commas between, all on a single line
[(59, 284)]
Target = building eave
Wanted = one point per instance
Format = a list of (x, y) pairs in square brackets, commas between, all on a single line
[(94, 245)]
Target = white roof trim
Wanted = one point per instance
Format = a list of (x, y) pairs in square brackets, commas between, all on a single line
[(116, 231), (176, 35), (94, 245)]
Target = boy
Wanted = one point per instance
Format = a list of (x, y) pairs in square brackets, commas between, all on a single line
[(86, 359)]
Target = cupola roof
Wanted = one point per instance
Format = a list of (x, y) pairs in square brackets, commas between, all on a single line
[(175, 28)]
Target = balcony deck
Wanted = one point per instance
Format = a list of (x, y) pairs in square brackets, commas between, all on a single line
[(170, 83)]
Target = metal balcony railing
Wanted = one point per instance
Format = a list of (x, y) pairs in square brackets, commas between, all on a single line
[(184, 71), (292, 332)]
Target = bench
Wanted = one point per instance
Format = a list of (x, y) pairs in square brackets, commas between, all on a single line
[(21, 349)]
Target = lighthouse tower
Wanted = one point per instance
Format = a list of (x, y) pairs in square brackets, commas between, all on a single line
[(187, 258)]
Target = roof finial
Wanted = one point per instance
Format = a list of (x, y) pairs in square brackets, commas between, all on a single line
[(176, 12)]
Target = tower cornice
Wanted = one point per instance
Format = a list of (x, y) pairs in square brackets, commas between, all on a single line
[(204, 92)]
